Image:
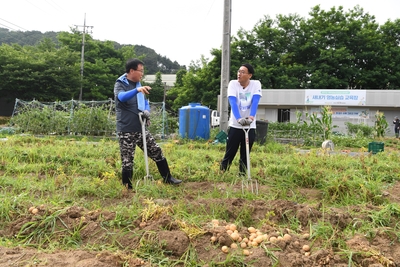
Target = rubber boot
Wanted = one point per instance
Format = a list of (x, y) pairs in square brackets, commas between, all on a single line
[(127, 178), (163, 168)]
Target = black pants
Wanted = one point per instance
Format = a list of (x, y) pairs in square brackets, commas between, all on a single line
[(236, 138)]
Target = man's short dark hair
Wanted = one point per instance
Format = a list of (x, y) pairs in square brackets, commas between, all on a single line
[(249, 67), (132, 64)]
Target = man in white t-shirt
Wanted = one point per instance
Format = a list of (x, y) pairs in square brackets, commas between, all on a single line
[(243, 95)]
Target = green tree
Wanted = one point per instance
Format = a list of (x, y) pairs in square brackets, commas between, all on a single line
[(157, 89), (34, 72), (331, 49), (102, 64), (173, 93), (200, 84), (391, 54)]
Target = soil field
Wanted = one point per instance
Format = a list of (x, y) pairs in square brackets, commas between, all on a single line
[(379, 249)]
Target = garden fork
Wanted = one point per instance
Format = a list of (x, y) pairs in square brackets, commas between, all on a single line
[(248, 182), (143, 121)]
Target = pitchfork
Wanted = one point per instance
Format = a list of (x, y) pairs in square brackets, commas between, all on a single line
[(248, 182), (143, 121)]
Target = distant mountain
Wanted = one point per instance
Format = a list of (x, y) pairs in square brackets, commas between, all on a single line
[(25, 38), (153, 61)]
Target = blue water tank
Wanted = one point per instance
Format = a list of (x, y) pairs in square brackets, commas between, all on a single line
[(194, 121)]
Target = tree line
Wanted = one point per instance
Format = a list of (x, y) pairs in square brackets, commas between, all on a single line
[(47, 67), (331, 49), (154, 62)]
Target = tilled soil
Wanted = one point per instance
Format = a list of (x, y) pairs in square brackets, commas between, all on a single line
[(177, 239)]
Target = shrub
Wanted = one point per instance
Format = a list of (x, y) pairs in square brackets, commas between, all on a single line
[(359, 129)]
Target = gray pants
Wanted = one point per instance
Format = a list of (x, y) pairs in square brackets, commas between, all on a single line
[(128, 143)]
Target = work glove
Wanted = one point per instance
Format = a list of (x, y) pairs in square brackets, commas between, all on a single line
[(249, 121), (146, 115), (242, 121), (245, 121)]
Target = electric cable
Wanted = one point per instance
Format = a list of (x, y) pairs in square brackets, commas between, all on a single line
[(13, 24)]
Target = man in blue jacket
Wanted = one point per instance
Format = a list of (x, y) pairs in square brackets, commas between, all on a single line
[(130, 100)]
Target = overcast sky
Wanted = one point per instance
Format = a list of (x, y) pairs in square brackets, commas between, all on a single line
[(181, 30)]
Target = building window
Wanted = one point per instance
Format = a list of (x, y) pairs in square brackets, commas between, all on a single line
[(283, 115)]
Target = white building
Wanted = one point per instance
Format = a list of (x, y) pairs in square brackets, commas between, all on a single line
[(355, 106), (167, 79)]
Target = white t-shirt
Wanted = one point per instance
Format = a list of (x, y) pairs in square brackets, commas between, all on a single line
[(244, 99)]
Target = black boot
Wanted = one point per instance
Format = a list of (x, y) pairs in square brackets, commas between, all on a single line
[(127, 178), (165, 173)]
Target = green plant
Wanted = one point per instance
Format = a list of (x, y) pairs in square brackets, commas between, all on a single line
[(321, 126), (326, 122), (40, 231), (150, 248), (232, 260), (270, 254), (4, 120), (357, 141), (189, 258), (95, 118), (357, 129), (381, 125), (323, 230), (9, 207), (5, 131), (244, 216), (385, 217)]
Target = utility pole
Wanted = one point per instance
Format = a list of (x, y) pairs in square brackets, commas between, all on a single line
[(83, 51), (163, 110), (225, 65)]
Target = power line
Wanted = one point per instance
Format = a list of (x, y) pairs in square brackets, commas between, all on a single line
[(52, 5), (210, 8), (19, 26), (43, 8), (55, 3), (7, 27), (13, 24), (34, 5)]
